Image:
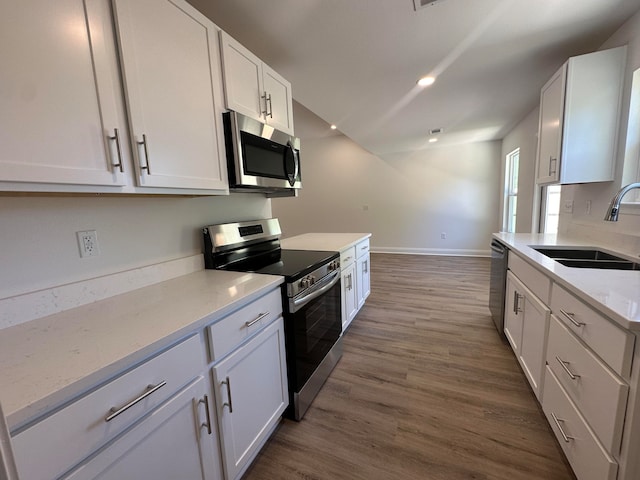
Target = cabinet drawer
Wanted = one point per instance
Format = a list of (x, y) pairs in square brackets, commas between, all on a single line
[(611, 343), (535, 280), (362, 248), (229, 332), (347, 257), (585, 454), (598, 393), (69, 435)]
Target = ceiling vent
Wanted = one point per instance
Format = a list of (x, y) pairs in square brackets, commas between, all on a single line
[(418, 4), (435, 131)]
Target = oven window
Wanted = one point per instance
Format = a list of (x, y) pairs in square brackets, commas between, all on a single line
[(315, 329)]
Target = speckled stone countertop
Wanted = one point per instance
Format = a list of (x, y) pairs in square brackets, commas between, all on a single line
[(616, 293), (334, 242), (46, 361)]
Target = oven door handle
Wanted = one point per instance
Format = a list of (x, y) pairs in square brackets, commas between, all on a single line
[(297, 303)]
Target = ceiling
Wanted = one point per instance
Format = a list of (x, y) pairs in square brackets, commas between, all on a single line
[(355, 63)]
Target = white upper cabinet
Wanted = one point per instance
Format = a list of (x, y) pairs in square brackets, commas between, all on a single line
[(253, 88), (579, 118), (58, 117), (171, 70)]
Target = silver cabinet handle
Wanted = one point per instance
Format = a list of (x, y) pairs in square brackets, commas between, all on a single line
[(256, 320), (347, 259), (553, 161), (365, 266), (557, 421), (116, 137), (115, 411), (146, 167), (206, 410), (516, 302), (569, 316), (227, 382), (564, 364), (268, 107)]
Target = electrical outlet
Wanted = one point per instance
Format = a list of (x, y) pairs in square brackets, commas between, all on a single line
[(88, 243), (443, 236), (588, 209)]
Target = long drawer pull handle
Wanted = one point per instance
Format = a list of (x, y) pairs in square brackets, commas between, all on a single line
[(564, 364), (569, 317), (116, 137), (256, 320), (115, 411), (516, 302), (227, 382), (206, 410), (147, 167), (557, 420)]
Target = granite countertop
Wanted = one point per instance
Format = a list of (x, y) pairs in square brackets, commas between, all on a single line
[(616, 293), (335, 242), (51, 359)]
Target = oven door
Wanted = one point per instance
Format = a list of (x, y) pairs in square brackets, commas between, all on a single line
[(313, 325)]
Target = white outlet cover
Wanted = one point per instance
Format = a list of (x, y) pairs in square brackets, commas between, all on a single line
[(567, 206), (88, 243)]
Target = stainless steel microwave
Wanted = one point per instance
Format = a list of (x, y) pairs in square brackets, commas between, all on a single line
[(259, 157)]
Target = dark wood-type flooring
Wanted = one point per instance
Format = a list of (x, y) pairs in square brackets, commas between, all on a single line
[(425, 390)]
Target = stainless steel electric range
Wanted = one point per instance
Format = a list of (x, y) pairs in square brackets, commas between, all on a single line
[(310, 299)]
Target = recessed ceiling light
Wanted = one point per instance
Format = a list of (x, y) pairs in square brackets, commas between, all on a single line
[(433, 140), (426, 81), (333, 127)]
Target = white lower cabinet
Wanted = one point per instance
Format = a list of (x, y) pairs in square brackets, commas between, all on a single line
[(526, 325), (589, 460), (153, 421), (175, 441), (349, 295), (363, 274), (251, 395)]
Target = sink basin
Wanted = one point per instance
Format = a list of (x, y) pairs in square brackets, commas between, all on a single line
[(606, 264), (577, 257)]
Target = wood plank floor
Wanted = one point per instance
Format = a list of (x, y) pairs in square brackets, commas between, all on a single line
[(425, 390)]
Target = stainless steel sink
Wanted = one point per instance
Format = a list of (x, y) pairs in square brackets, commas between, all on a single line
[(577, 257)]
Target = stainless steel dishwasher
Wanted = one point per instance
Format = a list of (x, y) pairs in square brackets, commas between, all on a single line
[(499, 263)]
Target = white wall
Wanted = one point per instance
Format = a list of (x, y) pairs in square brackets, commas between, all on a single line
[(406, 200), (523, 136), (38, 247)]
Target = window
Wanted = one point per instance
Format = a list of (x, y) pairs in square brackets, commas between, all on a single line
[(511, 191), (550, 208)]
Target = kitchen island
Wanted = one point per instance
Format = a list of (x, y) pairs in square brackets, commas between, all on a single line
[(354, 262)]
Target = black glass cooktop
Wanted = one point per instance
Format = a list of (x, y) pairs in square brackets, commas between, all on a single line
[(297, 263), (292, 264)]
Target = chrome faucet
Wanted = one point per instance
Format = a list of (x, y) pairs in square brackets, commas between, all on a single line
[(614, 206)]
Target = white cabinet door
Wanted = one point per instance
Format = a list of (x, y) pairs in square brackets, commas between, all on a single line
[(349, 293), (526, 324), (251, 395), (513, 312), (242, 79), (279, 102), (173, 85), (550, 128), (363, 279), (534, 341), (254, 89), (173, 442), (58, 95)]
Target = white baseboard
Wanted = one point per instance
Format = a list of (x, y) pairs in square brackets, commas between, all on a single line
[(453, 252), (29, 306)]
